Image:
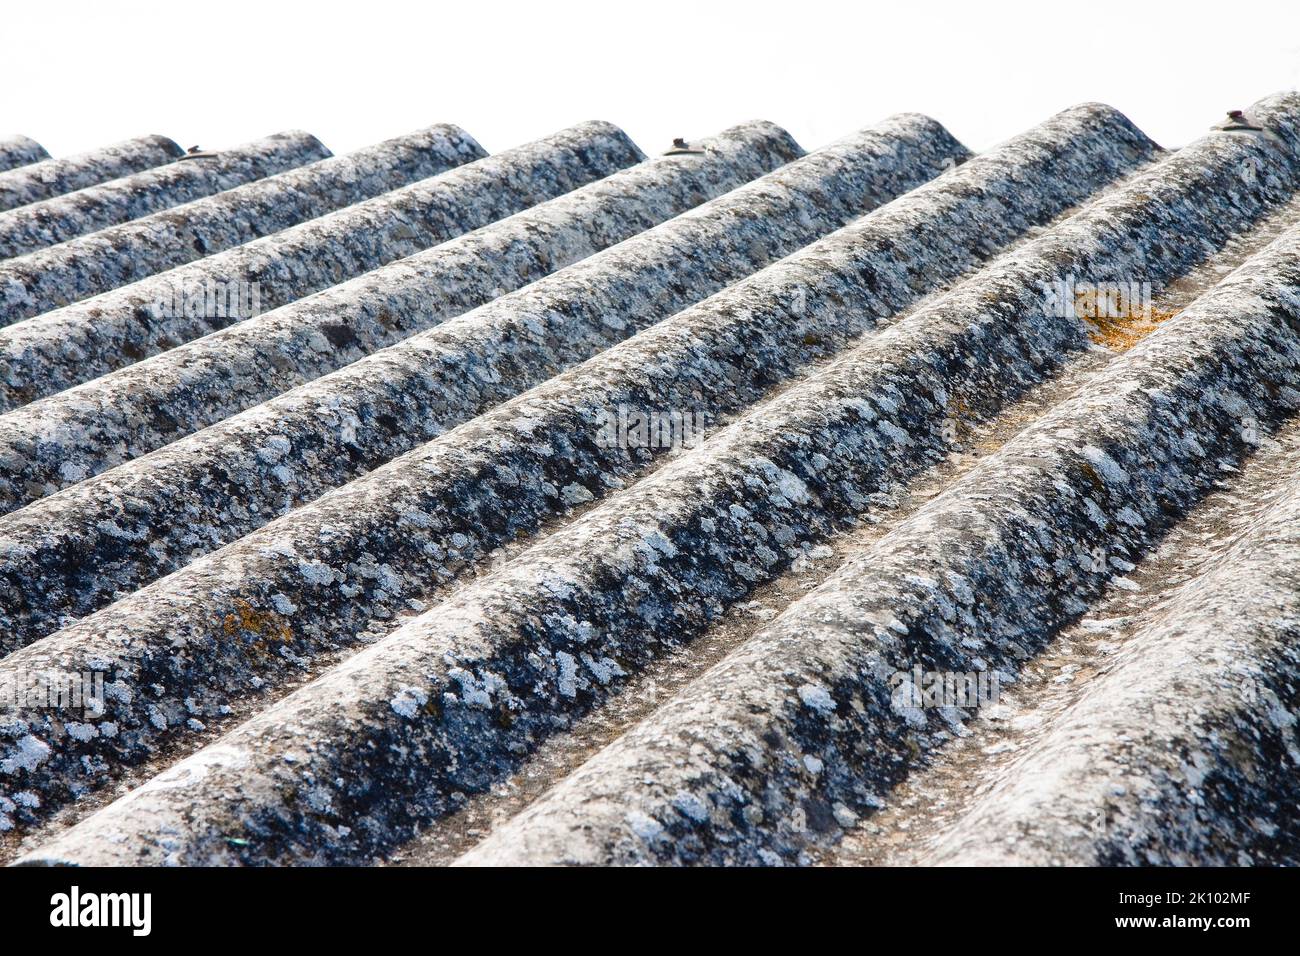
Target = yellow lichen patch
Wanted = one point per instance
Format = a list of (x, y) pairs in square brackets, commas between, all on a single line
[(958, 410), (265, 624), (1122, 333)]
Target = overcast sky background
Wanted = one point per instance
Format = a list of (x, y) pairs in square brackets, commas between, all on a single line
[(75, 75)]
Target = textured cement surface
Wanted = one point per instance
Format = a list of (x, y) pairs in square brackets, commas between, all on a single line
[(67, 346)]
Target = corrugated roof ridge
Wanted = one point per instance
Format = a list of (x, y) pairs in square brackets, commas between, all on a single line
[(17, 151), (51, 177), (71, 214), (101, 261)]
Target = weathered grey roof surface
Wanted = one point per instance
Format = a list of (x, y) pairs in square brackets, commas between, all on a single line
[(391, 568)]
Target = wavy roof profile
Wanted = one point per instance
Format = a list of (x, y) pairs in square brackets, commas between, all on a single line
[(733, 505)]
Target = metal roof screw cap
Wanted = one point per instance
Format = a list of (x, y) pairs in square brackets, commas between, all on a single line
[(1237, 120), (682, 147)]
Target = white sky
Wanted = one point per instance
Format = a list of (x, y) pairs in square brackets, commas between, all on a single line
[(74, 75)]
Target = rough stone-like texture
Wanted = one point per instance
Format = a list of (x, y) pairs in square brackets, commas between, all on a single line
[(54, 177), (157, 513), (794, 735), (83, 431), (60, 349), (604, 563), (811, 196), (18, 151), (88, 265), (131, 197), (1183, 753)]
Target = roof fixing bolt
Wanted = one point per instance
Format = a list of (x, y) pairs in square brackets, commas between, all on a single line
[(197, 152), (682, 146), (1237, 121)]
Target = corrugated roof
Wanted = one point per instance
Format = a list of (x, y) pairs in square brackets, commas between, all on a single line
[(571, 506)]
